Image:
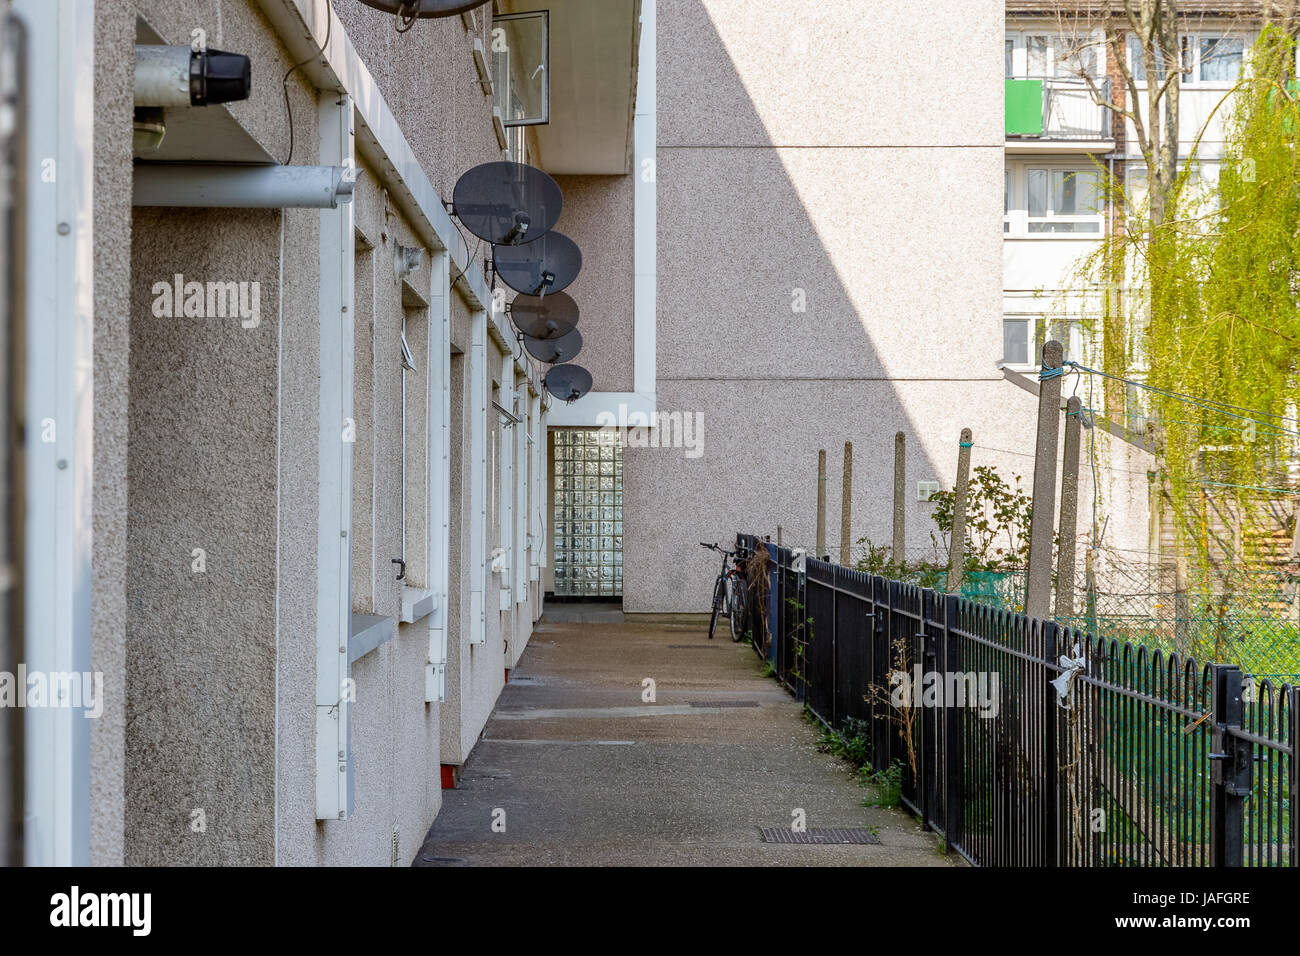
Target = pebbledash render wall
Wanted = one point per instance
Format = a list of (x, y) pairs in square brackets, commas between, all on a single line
[(829, 268), (206, 438)]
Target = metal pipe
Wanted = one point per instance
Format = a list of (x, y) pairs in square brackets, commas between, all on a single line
[(181, 76), (248, 187)]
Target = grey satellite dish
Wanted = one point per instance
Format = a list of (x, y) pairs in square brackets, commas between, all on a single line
[(425, 8), (555, 351), (545, 265), (568, 383), (547, 317), (507, 204)]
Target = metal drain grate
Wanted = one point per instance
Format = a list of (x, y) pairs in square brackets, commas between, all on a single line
[(826, 836), (724, 703)]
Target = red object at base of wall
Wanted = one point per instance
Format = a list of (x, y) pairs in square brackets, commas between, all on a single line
[(450, 773), (507, 675)]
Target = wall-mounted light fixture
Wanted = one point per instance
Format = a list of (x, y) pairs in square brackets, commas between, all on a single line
[(181, 76), (178, 76)]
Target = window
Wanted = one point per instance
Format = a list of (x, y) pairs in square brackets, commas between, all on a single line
[(1015, 341), (1207, 59), (588, 512), (1023, 336), (1006, 200), (1046, 55), (1137, 61), (1219, 59), (1044, 199), (1063, 200), (521, 84)]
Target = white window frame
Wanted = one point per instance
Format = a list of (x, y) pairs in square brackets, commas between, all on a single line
[(1190, 43), (1057, 41), (1041, 323), (1016, 221)]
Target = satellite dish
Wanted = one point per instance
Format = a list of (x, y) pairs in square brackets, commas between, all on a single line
[(540, 267), (554, 351), (425, 8), (544, 317), (568, 383), (507, 204)]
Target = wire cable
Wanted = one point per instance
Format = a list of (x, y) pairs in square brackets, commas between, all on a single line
[(284, 84), (1209, 405)]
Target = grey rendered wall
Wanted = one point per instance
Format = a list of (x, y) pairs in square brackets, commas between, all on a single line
[(832, 162), (223, 451), (598, 217), (114, 32), (201, 647)]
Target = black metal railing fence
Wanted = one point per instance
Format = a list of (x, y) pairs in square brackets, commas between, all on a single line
[(1156, 760)]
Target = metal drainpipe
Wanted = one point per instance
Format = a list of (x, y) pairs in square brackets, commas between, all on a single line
[(248, 187), (403, 364)]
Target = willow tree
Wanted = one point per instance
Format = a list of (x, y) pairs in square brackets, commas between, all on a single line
[(1226, 329), (1218, 331)]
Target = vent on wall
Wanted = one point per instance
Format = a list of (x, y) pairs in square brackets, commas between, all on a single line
[(925, 490)]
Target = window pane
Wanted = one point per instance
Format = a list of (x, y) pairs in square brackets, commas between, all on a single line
[(1011, 51), (1074, 193), (1137, 61), (1221, 59), (1053, 226), (1075, 58), (1037, 182), (1036, 52), (520, 55), (1015, 341)]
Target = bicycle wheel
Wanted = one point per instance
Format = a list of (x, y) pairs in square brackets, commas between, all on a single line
[(739, 616), (719, 598)]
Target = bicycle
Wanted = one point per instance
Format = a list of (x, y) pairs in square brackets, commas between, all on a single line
[(729, 594)]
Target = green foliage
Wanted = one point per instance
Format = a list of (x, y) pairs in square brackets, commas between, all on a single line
[(997, 533), (1210, 308), (888, 782), (997, 521), (852, 742)]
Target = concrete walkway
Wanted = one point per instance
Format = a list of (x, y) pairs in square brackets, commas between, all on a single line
[(582, 772)]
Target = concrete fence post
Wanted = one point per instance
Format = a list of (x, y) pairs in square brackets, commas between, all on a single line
[(846, 506), (821, 504), (1068, 528), (957, 547), (898, 552), (1038, 587)]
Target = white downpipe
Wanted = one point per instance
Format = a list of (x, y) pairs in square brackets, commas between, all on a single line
[(439, 522), (523, 474), (507, 510), (245, 187), (60, 404), (334, 766), (478, 425)]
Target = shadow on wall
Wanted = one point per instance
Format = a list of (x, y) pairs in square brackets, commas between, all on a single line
[(813, 287)]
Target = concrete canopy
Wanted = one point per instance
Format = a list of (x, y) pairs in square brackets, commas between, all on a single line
[(593, 84)]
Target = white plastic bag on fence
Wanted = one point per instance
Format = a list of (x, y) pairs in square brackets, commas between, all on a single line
[(1065, 683)]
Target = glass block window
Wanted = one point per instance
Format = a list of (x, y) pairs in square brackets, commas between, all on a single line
[(588, 518)]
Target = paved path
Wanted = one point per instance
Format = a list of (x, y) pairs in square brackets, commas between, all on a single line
[(588, 774)]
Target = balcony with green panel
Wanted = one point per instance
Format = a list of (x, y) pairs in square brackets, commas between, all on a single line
[(1062, 114)]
